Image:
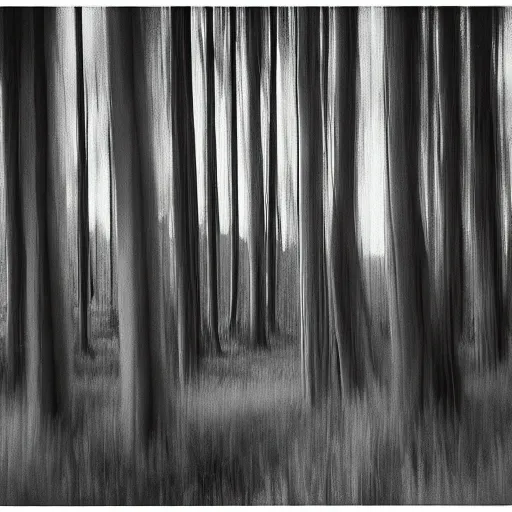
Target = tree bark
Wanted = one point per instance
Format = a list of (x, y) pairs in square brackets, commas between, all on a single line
[(235, 236), (185, 195), (252, 40), (83, 194), (490, 341), (212, 210), (15, 253)]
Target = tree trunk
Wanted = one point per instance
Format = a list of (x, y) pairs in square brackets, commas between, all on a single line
[(490, 341), (272, 178), (405, 243), (212, 210), (185, 195), (350, 309), (137, 406), (113, 232), (47, 325), (447, 243), (146, 116), (83, 193), (310, 202), (235, 236), (252, 39), (10, 22)]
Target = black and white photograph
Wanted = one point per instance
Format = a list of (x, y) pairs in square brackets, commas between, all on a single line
[(255, 255)]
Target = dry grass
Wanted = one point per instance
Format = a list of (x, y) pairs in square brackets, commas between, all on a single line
[(242, 436)]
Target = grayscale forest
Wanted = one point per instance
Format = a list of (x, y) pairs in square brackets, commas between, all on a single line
[(255, 256)]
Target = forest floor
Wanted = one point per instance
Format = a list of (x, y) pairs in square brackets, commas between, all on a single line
[(243, 436)]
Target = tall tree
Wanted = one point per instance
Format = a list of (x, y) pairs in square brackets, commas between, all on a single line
[(113, 230), (310, 201), (185, 194), (138, 411), (488, 315), (405, 243), (83, 194), (271, 259), (252, 28), (447, 254), (349, 306), (212, 200), (47, 322), (10, 21), (235, 236)]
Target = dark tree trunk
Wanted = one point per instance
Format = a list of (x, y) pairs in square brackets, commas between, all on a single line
[(256, 232), (83, 194), (113, 233), (10, 21), (185, 195), (312, 333), (137, 408), (235, 236), (448, 265), (349, 308), (272, 178), (212, 209), (47, 324), (488, 305), (406, 253)]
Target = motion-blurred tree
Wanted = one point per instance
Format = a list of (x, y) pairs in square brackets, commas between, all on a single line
[(10, 21), (252, 30)]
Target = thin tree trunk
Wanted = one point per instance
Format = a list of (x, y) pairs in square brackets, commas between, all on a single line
[(310, 201), (10, 22), (272, 178), (83, 194), (252, 36), (185, 195), (235, 236), (137, 406), (488, 307), (212, 210), (113, 231)]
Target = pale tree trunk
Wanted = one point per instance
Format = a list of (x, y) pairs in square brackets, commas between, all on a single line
[(212, 209), (349, 307), (272, 178), (83, 194), (447, 255), (184, 195), (312, 333), (48, 328), (405, 243), (235, 236), (490, 341), (252, 28), (10, 21), (134, 332)]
